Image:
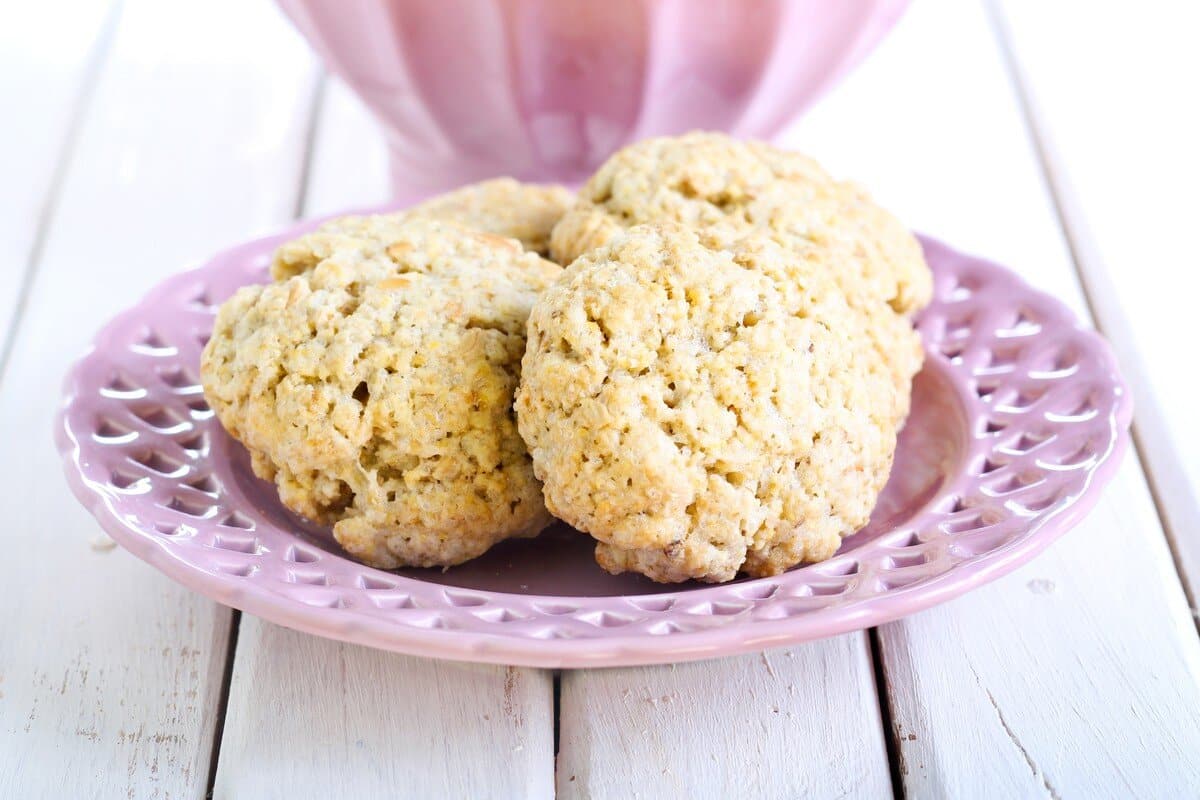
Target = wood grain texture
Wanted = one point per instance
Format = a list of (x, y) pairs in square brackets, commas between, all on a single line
[(312, 718), (799, 722), (1077, 676), (1119, 135), (109, 673), (44, 91)]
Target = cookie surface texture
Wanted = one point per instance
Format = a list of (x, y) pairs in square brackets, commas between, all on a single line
[(702, 411), (374, 386), (726, 188)]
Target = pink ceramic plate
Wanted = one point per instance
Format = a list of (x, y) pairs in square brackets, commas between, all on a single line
[(1018, 420)]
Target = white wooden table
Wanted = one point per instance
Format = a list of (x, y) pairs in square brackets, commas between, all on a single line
[(1058, 137)]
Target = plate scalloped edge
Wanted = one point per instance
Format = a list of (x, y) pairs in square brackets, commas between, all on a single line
[(1048, 417)]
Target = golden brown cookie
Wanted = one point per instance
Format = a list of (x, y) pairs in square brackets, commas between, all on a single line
[(726, 189), (374, 386), (702, 410), (505, 207)]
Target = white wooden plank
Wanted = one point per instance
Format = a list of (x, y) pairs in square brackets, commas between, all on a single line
[(350, 169), (109, 673), (314, 718), (1120, 136), (310, 717), (43, 90), (1077, 675), (800, 722)]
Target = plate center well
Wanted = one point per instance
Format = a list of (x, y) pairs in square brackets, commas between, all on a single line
[(559, 561)]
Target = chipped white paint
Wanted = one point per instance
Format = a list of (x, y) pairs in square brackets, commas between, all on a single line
[(308, 717), (1077, 676), (109, 672), (800, 722)]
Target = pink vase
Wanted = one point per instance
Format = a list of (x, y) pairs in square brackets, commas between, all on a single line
[(547, 89)]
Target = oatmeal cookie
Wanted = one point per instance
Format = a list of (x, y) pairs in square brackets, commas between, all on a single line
[(374, 386), (501, 208), (702, 410), (523, 211), (726, 189)]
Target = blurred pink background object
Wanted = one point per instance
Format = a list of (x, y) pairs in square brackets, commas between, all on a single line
[(547, 89)]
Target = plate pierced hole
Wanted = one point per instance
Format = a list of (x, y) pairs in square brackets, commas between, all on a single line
[(180, 379), (905, 539), (192, 508), (1081, 411), (984, 390), (151, 344), (156, 461), (238, 544), (300, 555), (321, 600), (663, 628), (1002, 358), (994, 426), (199, 408), (891, 583), (162, 419), (903, 560), (955, 504), (555, 609), (307, 578), (1028, 441), (953, 349), (1025, 398), (960, 325), (239, 521), (1034, 505), (391, 602), (205, 483), (654, 604), (109, 431), (1070, 459), (432, 622), (973, 522), (1011, 483), (758, 590), (195, 446), (465, 600), (606, 619), (129, 483), (372, 583), (122, 387), (838, 569), (1061, 364), (202, 301), (963, 287), (827, 589), (729, 609), (239, 570), (981, 542), (989, 466), (171, 529), (1024, 325), (497, 615)]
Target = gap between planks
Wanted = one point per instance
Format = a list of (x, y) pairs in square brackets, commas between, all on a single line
[(235, 623)]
